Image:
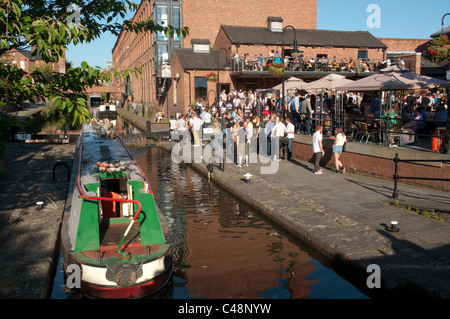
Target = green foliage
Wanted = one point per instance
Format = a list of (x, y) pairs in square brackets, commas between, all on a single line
[(44, 26)]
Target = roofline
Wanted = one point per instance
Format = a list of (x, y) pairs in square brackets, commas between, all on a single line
[(137, 10), (384, 46), (212, 51)]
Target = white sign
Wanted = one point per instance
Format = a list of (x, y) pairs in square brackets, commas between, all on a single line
[(166, 71)]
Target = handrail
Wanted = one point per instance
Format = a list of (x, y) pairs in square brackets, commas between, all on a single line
[(397, 177)]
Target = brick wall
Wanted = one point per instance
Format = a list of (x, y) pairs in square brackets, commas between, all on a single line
[(204, 18), (405, 45), (377, 161)]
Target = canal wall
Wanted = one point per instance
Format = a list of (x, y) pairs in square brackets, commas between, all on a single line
[(346, 218), (377, 161)]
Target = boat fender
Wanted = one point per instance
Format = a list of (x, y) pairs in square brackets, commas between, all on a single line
[(124, 275), (100, 164)]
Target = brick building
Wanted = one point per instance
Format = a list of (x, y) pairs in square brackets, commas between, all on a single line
[(23, 59), (175, 69), (153, 52), (191, 66)]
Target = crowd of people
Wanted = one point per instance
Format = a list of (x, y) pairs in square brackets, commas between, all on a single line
[(413, 114), (245, 114), (261, 62)]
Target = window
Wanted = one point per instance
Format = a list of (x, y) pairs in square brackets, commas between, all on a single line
[(201, 48), (276, 26), (163, 55), (164, 16), (362, 54), (200, 88), (176, 22), (161, 19)]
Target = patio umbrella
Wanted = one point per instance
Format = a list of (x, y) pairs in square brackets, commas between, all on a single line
[(328, 83), (392, 80), (386, 81), (289, 84)]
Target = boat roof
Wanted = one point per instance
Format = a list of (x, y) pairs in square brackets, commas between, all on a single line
[(96, 148)]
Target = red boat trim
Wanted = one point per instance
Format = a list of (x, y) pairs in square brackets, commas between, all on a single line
[(122, 293)]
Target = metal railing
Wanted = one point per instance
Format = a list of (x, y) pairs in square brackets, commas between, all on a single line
[(397, 160), (312, 64), (376, 129)]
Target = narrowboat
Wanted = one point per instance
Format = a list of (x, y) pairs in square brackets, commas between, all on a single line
[(107, 111), (113, 231)]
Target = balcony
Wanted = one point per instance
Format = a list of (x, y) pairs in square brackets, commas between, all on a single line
[(304, 67)]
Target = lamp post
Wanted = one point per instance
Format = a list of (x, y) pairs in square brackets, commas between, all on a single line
[(442, 22), (447, 129), (294, 53), (447, 134)]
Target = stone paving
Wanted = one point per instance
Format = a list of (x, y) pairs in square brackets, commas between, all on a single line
[(29, 237)]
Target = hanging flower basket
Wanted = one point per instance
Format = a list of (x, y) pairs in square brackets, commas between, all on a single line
[(212, 77), (276, 69), (439, 50)]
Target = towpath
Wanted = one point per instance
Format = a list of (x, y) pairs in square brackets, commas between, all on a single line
[(29, 237)]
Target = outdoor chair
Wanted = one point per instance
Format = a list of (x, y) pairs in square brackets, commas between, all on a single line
[(359, 133), (396, 134), (366, 132), (350, 129)]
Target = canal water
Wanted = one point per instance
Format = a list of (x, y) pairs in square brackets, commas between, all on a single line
[(224, 248)]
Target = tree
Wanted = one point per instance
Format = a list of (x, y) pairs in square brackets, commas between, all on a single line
[(47, 27)]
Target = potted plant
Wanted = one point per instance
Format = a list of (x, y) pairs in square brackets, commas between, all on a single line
[(212, 77), (438, 50), (276, 69)]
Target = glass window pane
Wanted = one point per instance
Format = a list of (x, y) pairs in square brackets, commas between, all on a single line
[(200, 82), (362, 55), (176, 22)]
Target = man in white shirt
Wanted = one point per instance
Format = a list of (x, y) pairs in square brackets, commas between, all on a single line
[(278, 133), (182, 130), (172, 127), (290, 129), (317, 148), (268, 132)]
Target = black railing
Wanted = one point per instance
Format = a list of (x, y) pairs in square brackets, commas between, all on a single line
[(397, 160), (246, 63), (376, 129)]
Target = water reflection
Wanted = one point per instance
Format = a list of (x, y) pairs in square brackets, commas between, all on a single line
[(223, 249)]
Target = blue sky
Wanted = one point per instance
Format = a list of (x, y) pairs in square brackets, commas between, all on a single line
[(411, 19)]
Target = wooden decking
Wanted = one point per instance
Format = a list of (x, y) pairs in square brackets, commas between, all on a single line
[(111, 234)]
